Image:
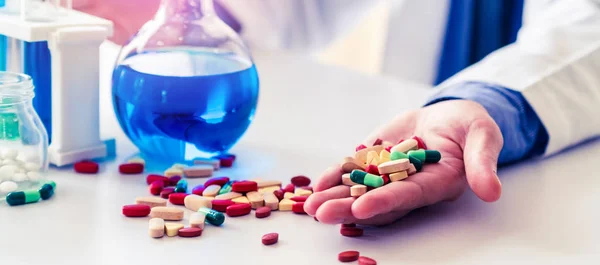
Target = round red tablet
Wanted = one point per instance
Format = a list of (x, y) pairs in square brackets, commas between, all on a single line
[(279, 194), (360, 147), (177, 198), (153, 177), (362, 260), (131, 168), (270, 239), (238, 209), (377, 142), (244, 186), (299, 198), (351, 231), (86, 167), (262, 212), (372, 169), (298, 208), (221, 205), (348, 256), (300, 181), (420, 143), (289, 188), (216, 181), (156, 187), (173, 180), (136, 210), (166, 192), (190, 232)]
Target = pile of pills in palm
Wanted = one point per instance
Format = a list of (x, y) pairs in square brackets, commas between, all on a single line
[(384, 162)]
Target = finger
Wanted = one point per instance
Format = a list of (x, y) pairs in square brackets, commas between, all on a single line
[(315, 200), (336, 211), (401, 127), (330, 178), (399, 195), (383, 219), (482, 146)]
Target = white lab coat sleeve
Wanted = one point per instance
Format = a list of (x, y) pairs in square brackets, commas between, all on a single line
[(296, 25), (555, 63)]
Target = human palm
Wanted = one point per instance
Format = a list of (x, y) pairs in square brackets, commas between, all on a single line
[(462, 131)]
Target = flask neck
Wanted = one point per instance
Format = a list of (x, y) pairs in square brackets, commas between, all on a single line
[(184, 9)]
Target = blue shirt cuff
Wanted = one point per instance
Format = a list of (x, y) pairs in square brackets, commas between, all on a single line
[(524, 134)]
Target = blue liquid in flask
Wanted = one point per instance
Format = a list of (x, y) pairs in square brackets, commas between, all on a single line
[(176, 105)]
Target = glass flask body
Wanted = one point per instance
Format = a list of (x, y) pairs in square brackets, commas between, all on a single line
[(185, 86)]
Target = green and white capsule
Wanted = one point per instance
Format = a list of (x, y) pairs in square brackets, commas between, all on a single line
[(361, 177), (426, 156)]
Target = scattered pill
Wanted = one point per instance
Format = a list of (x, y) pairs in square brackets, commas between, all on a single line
[(262, 212), (288, 195), (229, 196), (279, 194), (416, 162), (136, 210), (418, 154), (198, 171), (215, 163), (151, 201), (244, 186), (181, 186), (211, 191), (178, 198), (269, 189), (131, 168), (389, 149), (8, 186), (350, 163), (197, 220), (378, 141), (372, 158), (194, 202), (226, 188), (420, 143), (299, 198), (153, 177), (271, 201), (362, 260), (167, 213), (156, 187), (198, 190), (226, 161), (47, 190), (394, 166), (22, 197), (348, 256), (372, 169), (156, 227), (238, 210), (137, 160), (172, 229), (300, 181), (405, 146), (190, 232), (398, 176), (256, 199), (358, 190), (298, 207), (346, 180), (289, 188), (173, 172), (86, 167), (221, 205), (166, 192), (213, 217), (241, 199), (268, 183), (173, 180), (361, 156), (360, 147), (302, 192), (351, 231), (270, 239), (286, 205), (384, 156), (220, 181)]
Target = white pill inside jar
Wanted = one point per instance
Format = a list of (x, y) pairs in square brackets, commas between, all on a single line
[(10, 154), (34, 176), (29, 166), (7, 171), (8, 186), (18, 177), (9, 162)]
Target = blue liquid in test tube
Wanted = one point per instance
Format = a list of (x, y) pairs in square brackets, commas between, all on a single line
[(3, 51)]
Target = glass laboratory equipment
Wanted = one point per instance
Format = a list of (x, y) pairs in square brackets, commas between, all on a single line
[(39, 10), (23, 138), (185, 85)]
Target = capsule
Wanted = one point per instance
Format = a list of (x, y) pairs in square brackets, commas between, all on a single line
[(212, 216), (47, 190), (418, 154), (22, 197), (181, 186), (416, 162), (398, 155), (226, 188), (367, 179)]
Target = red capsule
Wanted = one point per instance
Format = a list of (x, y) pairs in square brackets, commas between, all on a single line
[(262, 212), (156, 187), (389, 149), (177, 198), (136, 210), (270, 239), (386, 179), (279, 194), (173, 180), (198, 190), (238, 209), (221, 205), (86, 167), (299, 198), (166, 192), (189, 232), (420, 143), (351, 231), (244, 186), (153, 177), (289, 188), (300, 181), (372, 169), (348, 256), (298, 208), (362, 260), (131, 168), (216, 181), (360, 147)]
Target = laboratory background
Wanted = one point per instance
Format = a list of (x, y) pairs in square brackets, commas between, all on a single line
[(299, 131)]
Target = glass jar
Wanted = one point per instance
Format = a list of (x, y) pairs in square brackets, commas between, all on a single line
[(12, 7), (23, 138), (185, 86), (40, 10)]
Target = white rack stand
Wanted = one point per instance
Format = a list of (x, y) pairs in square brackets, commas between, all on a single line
[(74, 40)]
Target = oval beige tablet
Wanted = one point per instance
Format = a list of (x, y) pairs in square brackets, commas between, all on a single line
[(156, 227), (195, 202), (405, 146), (229, 195), (350, 163), (286, 205), (268, 183), (271, 200), (358, 190), (211, 191), (197, 220), (167, 213), (361, 155), (151, 201), (394, 166), (198, 171), (269, 189), (256, 199), (241, 199), (398, 176)]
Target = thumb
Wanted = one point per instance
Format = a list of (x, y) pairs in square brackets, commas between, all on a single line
[(483, 143)]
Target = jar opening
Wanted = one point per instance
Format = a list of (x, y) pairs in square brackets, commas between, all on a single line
[(15, 85)]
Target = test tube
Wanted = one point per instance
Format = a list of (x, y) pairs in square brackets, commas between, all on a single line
[(39, 10)]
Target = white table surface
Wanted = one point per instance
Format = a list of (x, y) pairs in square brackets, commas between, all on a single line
[(548, 214)]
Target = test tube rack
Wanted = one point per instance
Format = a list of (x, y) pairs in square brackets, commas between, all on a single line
[(71, 93)]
